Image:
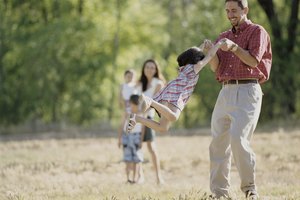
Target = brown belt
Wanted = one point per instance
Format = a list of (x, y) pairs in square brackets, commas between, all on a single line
[(244, 81)]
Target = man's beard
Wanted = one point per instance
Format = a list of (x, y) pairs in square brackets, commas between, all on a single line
[(235, 24)]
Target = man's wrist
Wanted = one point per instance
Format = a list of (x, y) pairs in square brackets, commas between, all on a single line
[(233, 47)]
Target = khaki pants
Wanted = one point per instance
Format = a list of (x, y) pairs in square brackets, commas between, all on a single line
[(233, 122)]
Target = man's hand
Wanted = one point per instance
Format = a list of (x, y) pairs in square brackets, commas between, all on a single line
[(227, 45)]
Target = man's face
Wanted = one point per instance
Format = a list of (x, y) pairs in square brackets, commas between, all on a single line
[(235, 13)]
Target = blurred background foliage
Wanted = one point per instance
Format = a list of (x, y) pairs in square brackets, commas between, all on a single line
[(61, 62)]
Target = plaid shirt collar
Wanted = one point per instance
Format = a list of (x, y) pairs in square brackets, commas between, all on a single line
[(241, 27)]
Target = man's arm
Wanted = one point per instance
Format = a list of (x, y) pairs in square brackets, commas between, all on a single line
[(214, 63), (242, 54)]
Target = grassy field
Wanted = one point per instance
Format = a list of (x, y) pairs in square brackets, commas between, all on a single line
[(55, 166)]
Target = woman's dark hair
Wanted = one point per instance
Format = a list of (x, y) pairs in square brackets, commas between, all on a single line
[(190, 56), (144, 79)]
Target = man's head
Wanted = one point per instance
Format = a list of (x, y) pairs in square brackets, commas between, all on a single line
[(237, 11), (134, 103), (190, 56)]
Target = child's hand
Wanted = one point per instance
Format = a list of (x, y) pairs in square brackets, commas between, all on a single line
[(206, 46)]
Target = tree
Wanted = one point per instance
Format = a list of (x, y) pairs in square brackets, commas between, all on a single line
[(63, 61), (283, 99)]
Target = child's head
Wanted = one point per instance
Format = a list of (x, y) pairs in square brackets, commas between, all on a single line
[(128, 75), (190, 56), (134, 103)]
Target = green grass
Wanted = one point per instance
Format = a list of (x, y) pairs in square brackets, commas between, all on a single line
[(91, 168)]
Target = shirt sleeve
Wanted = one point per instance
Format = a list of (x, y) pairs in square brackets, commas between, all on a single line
[(258, 44)]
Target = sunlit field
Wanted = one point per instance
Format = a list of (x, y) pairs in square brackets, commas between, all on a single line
[(83, 166)]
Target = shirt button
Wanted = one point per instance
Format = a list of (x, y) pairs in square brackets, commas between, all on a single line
[(232, 56), (235, 36), (230, 65)]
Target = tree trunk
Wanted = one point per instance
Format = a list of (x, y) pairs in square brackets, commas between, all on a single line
[(283, 75), (116, 46), (80, 7)]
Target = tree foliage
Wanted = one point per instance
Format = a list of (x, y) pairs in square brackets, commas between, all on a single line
[(284, 30), (63, 61)]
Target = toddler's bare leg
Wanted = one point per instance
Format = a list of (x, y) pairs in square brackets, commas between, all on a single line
[(162, 126), (169, 111), (133, 171), (127, 164)]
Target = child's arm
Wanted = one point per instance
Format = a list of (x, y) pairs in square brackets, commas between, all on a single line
[(210, 54), (214, 62), (120, 130)]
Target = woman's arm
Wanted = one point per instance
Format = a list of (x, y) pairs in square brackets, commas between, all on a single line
[(158, 87), (139, 88), (142, 136)]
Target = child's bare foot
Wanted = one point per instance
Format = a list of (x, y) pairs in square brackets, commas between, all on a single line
[(144, 103), (130, 182), (141, 180), (131, 122)]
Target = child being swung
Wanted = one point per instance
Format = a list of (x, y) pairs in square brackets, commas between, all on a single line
[(171, 100)]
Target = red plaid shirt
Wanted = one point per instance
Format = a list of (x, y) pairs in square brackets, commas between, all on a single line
[(256, 40)]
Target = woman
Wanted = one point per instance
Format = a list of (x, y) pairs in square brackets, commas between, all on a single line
[(151, 81)]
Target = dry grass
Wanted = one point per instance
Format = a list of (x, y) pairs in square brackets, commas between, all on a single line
[(91, 168)]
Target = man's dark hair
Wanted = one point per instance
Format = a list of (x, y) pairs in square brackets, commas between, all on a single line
[(242, 3), (190, 56), (134, 99)]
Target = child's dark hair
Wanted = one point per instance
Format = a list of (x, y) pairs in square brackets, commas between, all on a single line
[(128, 71), (190, 56), (134, 99)]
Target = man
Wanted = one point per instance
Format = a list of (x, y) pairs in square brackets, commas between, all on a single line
[(241, 64)]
